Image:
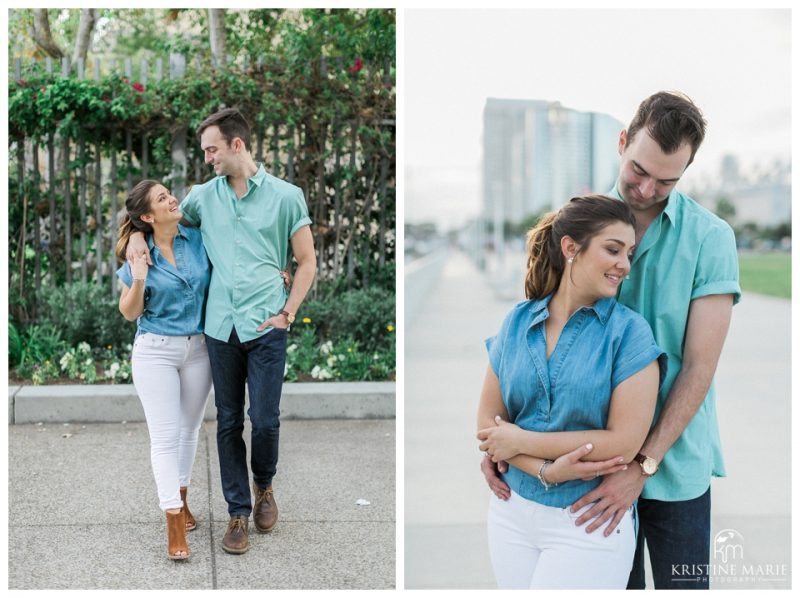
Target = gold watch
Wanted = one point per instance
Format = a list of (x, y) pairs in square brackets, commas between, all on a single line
[(648, 464), (289, 316)]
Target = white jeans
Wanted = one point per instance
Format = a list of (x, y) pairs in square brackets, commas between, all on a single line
[(535, 546), (172, 376)]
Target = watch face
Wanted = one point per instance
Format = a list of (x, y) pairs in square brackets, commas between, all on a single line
[(649, 466)]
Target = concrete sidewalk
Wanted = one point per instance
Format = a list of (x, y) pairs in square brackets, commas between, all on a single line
[(83, 511), (446, 498)]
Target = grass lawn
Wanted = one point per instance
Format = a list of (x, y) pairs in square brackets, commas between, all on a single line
[(766, 273)]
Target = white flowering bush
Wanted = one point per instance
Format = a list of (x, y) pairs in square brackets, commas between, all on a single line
[(86, 365), (340, 359), (321, 373), (78, 363), (307, 359)]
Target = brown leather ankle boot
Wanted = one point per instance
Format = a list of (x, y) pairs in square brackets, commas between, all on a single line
[(176, 536), (265, 509), (190, 521)]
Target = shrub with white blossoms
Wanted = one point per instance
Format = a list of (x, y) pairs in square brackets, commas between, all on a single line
[(67, 360), (319, 373), (118, 371), (111, 372)]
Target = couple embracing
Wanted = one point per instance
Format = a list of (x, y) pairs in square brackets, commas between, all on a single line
[(204, 280), (597, 414)]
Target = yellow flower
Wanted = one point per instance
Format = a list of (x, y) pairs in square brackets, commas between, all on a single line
[(306, 320), (349, 349), (390, 328)]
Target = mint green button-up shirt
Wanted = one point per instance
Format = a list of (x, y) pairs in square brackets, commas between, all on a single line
[(686, 253), (247, 241)]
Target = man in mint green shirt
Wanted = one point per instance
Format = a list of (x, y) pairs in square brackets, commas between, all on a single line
[(248, 219), (684, 280)]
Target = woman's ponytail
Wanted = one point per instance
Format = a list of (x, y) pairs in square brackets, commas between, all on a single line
[(544, 259), (124, 235)]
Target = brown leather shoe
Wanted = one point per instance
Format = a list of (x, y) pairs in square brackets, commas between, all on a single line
[(265, 510), (176, 536), (190, 520), (235, 540)]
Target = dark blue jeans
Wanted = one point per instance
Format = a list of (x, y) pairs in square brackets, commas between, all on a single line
[(678, 536), (260, 362)]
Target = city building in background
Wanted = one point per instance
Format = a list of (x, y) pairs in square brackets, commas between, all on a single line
[(760, 194), (537, 154)]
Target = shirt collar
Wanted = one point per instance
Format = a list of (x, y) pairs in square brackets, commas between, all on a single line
[(257, 179), (260, 175), (670, 210), (602, 308)]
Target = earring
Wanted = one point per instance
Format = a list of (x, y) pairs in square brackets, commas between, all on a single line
[(569, 261)]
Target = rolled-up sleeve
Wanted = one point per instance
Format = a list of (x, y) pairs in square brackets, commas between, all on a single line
[(495, 344), (636, 350), (297, 212), (124, 274), (717, 271)]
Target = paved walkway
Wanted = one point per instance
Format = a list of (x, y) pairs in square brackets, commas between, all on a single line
[(446, 498), (83, 512)]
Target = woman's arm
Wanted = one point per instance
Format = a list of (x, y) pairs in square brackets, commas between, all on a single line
[(568, 465), (131, 301), (491, 402), (629, 418), (490, 406)]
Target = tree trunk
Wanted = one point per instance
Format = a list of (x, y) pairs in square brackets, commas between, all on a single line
[(85, 29), (216, 32), (42, 36)]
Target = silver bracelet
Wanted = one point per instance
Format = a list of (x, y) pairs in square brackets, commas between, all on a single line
[(541, 477), (138, 280)]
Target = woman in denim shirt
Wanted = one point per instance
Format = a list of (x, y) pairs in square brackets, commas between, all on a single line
[(171, 370), (569, 396)]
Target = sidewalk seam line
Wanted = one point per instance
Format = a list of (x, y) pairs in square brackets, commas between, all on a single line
[(210, 513)]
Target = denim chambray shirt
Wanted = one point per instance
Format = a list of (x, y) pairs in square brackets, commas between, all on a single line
[(600, 346), (174, 296)]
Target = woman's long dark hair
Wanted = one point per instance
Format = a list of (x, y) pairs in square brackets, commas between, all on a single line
[(137, 204), (581, 218)]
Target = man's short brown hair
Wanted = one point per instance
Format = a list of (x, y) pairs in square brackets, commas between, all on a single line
[(671, 119), (231, 124)]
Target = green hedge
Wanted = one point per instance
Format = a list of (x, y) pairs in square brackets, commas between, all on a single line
[(81, 335)]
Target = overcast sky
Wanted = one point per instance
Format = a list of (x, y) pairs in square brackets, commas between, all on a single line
[(735, 65)]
